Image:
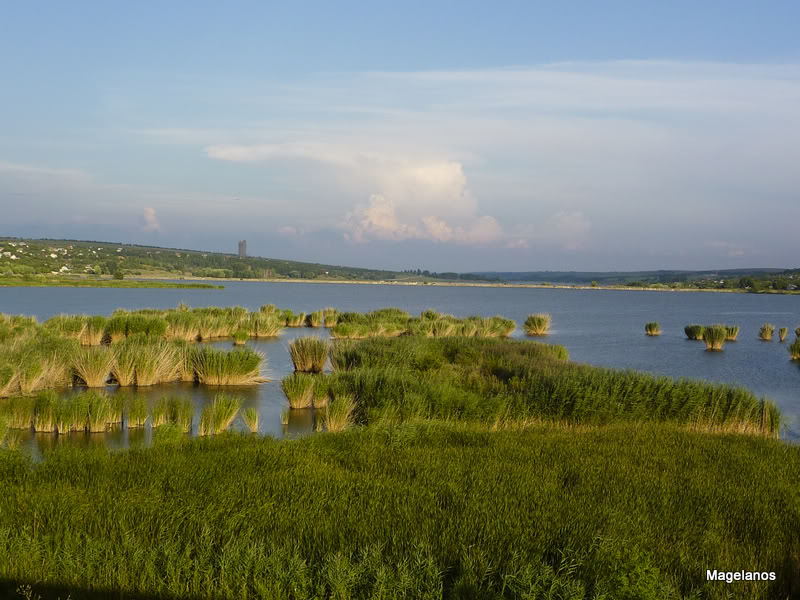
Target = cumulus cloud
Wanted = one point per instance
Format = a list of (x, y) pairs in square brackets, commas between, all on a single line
[(151, 223)]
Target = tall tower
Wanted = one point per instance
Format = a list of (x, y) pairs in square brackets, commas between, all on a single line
[(242, 248)]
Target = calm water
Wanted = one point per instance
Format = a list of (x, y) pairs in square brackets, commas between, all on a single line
[(600, 327)]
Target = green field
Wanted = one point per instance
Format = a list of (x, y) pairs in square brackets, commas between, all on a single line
[(55, 281)]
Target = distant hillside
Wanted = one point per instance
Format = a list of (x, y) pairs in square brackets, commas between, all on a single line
[(94, 258), (624, 277)]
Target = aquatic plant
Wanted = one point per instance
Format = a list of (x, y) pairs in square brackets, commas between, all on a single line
[(264, 324), (67, 326), (267, 308), (73, 413), (782, 333), (93, 331), (241, 366), (117, 402), (797, 332), (732, 332), (250, 416), (153, 326), (766, 332), (187, 357), (99, 411), (205, 425), (794, 349), (330, 316), (320, 391), (652, 328), (44, 417), (295, 319), (20, 412), (308, 354), (225, 409), (714, 336), (160, 413), (537, 324), (314, 319), (181, 412), (137, 411), (338, 416), (298, 389), (694, 332), (123, 369), (182, 325), (153, 361), (240, 337), (117, 327), (93, 365)]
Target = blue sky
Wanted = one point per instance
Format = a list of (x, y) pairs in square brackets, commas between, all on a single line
[(447, 136)]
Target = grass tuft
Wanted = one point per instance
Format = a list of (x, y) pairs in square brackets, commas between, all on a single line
[(766, 332), (298, 389), (694, 332), (93, 365), (338, 415), (714, 336), (652, 328), (250, 416), (537, 324), (782, 333), (309, 354), (732, 332)]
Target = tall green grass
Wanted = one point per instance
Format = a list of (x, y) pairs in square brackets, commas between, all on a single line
[(298, 389), (766, 332), (714, 336), (338, 415), (782, 333), (407, 511), (794, 349), (251, 419), (93, 365), (99, 411), (510, 383), (181, 412), (237, 367), (538, 324), (309, 354), (732, 332), (652, 329), (45, 412), (137, 411), (694, 332)]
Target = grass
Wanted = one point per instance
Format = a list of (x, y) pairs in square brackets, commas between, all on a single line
[(160, 414), (93, 366), (137, 411), (250, 416), (407, 511), (308, 354), (694, 332), (652, 328), (181, 412), (99, 412), (714, 336), (509, 383), (797, 332), (294, 319), (538, 324), (264, 324), (237, 367), (240, 337), (794, 349), (338, 415), (225, 407), (766, 332), (732, 332), (45, 409), (782, 333), (330, 316), (314, 319), (20, 412), (298, 389), (46, 281)]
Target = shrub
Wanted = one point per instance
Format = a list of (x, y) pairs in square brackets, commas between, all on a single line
[(538, 324), (309, 354), (694, 332), (652, 328), (714, 336), (766, 332)]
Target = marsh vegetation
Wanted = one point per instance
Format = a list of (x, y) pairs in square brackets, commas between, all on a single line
[(652, 328), (538, 324)]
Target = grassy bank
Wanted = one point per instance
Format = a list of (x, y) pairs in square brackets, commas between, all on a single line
[(511, 383), (100, 283), (410, 511)]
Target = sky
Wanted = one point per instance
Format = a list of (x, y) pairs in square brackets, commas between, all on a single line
[(449, 136)]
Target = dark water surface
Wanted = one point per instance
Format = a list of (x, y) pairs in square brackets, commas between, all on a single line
[(599, 327)]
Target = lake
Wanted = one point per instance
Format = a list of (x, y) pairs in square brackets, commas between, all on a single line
[(599, 327)]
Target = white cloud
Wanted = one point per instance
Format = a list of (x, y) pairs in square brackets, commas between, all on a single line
[(151, 223)]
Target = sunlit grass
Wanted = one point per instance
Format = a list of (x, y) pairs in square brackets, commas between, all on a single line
[(537, 324), (308, 354), (298, 389), (652, 328), (766, 332), (694, 332), (714, 336)]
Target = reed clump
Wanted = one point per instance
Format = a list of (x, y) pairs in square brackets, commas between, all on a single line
[(45, 407), (240, 337), (714, 336), (241, 366), (181, 412), (93, 331), (766, 332), (137, 411), (330, 316), (782, 333), (298, 389), (218, 415), (99, 412), (694, 332), (339, 414), (794, 349), (160, 414), (20, 412), (797, 332), (652, 328), (537, 324), (309, 354), (93, 365), (250, 416), (732, 333), (314, 319)]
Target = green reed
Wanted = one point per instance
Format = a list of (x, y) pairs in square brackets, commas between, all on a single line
[(652, 328), (298, 389), (237, 367), (181, 412), (251, 419), (694, 332), (714, 336), (732, 332), (782, 333), (537, 324), (766, 332), (308, 354)]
